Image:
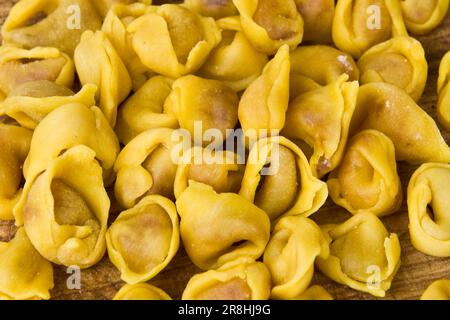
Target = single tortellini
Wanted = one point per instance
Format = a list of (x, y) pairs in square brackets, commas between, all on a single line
[(141, 291), (363, 255), (322, 118), (115, 27), (234, 61), (220, 169), (143, 240), (211, 104), (53, 23), (18, 66), (147, 165), (315, 66), (438, 290), (361, 24), (314, 293), (295, 243), (179, 42), (97, 62), (270, 24), (24, 273), (399, 61), (212, 8), (422, 16), (69, 202), (390, 110), (367, 181), (263, 105), (32, 101), (145, 110), (429, 209), (443, 107), (219, 228), (246, 280), (15, 142), (279, 180), (318, 18)]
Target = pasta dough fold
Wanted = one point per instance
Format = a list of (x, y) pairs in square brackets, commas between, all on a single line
[(443, 107), (438, 290), (141, 291), (318, 19), (212, 8), (422, 16)]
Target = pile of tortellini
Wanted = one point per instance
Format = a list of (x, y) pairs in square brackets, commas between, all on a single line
[(93, 91)]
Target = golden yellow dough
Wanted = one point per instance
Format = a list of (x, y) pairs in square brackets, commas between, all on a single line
[(422, 16), (141, 291), (438, 290)]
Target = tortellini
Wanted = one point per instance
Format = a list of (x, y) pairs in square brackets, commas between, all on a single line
[(263, 105), (361, 24), (270, 24), (30, 102), (363, 255), (141, 291), (208, 103), (69, 202), (103, 6), (179, 43), (366, 180), (219, 228), (147, 165), (145, 110), (234, 61), (422, 16), (390, 110), (438, 290), (212, 8), (288, 186), (314, 293), (219, 169), (15, 142), (428, 209), (54, 23), (290, 254), (18, 66), (321, 118), (443, 107), (97, 62), (318, 19), (143, 240), (245, 280), (315, 66), (24, 274), (399, 61)]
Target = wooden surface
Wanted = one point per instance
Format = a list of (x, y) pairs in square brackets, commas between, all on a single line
[(417, 270)]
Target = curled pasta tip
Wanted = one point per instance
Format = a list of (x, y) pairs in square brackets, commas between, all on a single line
[(421, 17), (141, 291), (438, 290)]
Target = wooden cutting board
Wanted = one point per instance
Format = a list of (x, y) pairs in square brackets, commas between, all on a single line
[(416, 272)]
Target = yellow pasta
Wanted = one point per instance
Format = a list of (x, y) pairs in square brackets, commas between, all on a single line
[(146, 166), (69, 202), (180, 40), (363, 255), (212, 8), (270, 24), (422, 16), (443, 107), (97, 62), (290, 254), (50, 23), (141, 291), (234, 61), (143, 240), (263, 105), (15, 142), (321, 118), (315, 66), (399, 61), (288, 187), (390, 110), (318, 18), (315, 293), (219, 228), (32, 101), (24, 274), (367, 180), (104, 6), (361, 24), (244, 280), (438, 290), (428, 209)]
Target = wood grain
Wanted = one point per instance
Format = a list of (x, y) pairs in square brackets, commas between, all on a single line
[(417, 270)]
